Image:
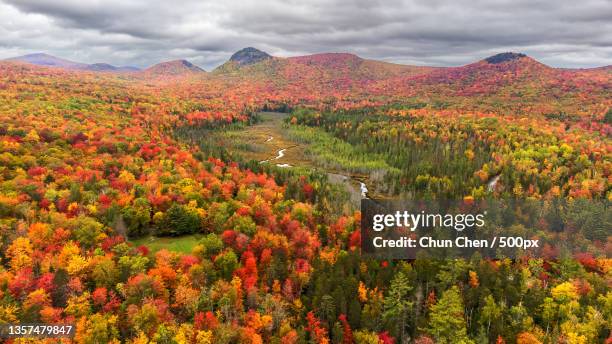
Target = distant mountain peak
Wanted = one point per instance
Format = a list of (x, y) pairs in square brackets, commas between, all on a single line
[(175, 67), (38, 55), (105, 67), (184, 63), (504, 57), (43, 59), (249, 56)]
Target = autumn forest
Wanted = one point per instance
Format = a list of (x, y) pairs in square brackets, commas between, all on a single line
[(177, 205)]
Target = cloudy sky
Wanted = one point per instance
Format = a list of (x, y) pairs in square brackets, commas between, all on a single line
[(563, 33)]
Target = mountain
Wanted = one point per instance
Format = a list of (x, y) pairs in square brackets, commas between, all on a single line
[(332, 69), (513, 67), (504, 57), (311, 76), (515, 78), (244, 58), (105, 67), (350, 65), (42, 59), (173, 68), (249, 56)]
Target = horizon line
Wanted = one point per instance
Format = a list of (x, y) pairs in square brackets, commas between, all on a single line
[(287, 57)]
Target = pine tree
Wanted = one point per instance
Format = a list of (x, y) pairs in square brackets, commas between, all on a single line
[(491, 312), (447, 322), (396, 304)]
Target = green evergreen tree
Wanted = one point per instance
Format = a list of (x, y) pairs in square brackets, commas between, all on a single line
[(179, 220), (397, 304), (490, 313), (447, 322)]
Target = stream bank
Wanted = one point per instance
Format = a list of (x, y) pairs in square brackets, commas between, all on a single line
[(357, 189)]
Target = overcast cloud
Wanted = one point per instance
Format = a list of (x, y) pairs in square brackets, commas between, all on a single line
[(562, 33)]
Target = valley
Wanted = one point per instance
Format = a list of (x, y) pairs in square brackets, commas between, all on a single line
[(269, 142)]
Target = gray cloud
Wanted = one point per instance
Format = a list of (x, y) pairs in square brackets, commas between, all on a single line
[(561, 33)]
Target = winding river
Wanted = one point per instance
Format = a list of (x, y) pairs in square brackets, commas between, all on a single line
[(492, 183), (356, 188), (280, 154)]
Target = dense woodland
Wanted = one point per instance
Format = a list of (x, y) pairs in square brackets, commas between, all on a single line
[(91, 161), (423, 152)]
